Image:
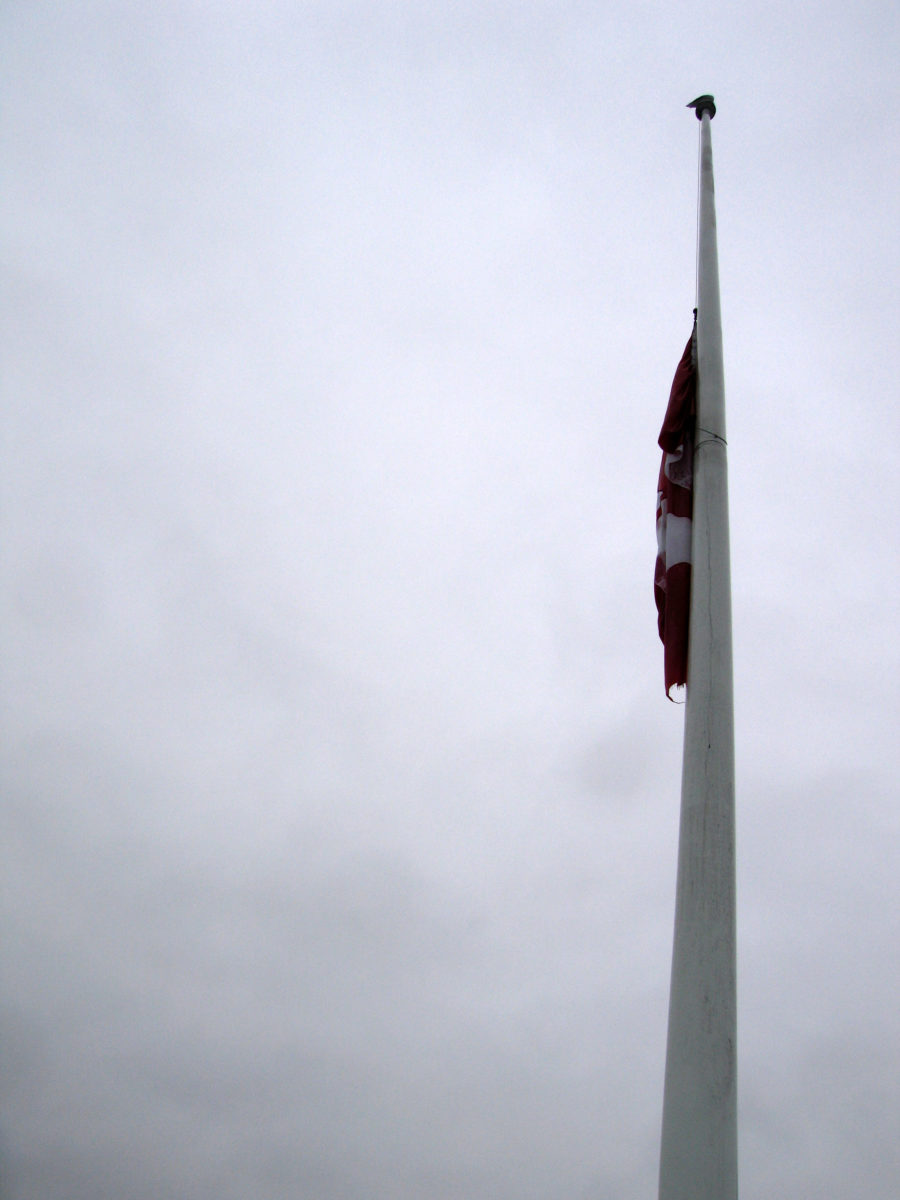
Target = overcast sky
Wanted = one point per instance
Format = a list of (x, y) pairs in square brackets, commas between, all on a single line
[(340, 791)]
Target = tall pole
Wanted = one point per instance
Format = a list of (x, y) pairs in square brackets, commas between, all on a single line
[(698, 1159)]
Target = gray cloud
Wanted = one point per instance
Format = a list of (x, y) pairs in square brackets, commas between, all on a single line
[(340, 792)]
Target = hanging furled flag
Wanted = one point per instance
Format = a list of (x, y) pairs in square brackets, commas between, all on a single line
[(674, 503)]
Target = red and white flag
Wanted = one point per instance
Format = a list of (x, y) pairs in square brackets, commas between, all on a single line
[(674, 503)]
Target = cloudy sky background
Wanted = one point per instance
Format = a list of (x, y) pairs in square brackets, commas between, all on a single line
[(340, 793)]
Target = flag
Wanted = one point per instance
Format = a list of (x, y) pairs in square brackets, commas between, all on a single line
[(674, 500)]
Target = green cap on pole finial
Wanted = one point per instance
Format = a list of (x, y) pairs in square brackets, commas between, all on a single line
[(703, 104)]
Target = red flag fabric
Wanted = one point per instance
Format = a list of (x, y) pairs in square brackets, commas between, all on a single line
[(674, 503)]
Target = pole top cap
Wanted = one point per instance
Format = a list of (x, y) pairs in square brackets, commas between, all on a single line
[(703, 104)]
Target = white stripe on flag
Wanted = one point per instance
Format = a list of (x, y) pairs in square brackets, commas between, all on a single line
[(678, 540)]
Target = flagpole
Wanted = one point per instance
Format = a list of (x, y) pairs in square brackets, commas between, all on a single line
[(698, 1159)]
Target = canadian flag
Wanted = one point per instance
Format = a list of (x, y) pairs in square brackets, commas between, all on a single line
[(674, 502)]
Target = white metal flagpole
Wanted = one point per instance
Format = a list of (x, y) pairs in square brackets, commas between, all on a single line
[(698, 1159)]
